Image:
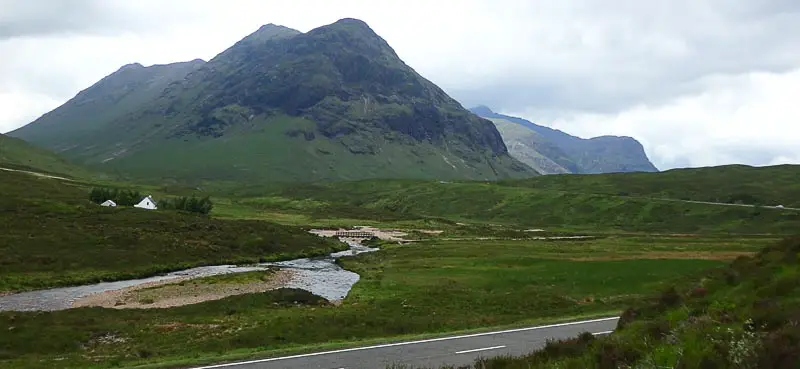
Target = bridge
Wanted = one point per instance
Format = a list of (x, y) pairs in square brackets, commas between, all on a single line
[(354, 234)]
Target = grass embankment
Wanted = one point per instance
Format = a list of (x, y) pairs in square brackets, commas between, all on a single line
[(19, 155), (744, 315), (53, 236), (429, 287), (416, 202)]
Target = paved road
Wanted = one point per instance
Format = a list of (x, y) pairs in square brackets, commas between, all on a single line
[(457, 350)]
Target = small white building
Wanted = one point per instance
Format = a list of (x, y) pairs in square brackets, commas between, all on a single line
[(147, 203), (109, 203)]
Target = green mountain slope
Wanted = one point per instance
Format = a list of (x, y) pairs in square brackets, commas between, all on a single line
[(334, 103), (96, 115), (604, 154), (20, 155)]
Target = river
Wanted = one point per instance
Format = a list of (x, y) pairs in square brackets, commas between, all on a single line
[(320, 276)]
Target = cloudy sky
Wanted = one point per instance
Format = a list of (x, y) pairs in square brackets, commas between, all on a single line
[(698, 82)]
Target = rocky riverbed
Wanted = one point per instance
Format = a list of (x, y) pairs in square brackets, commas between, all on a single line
[(320, 276)]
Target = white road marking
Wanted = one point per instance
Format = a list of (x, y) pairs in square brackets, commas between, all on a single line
[(480, 349), (602, 333), (406, 343)]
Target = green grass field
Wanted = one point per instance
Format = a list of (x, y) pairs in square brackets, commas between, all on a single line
[(428, 287)]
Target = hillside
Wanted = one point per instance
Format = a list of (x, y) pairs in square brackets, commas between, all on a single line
[(740, 316), (735, 184), (335, 103), (19, 155), (54, 236), (95, 115), (571, 202), (553, 152)]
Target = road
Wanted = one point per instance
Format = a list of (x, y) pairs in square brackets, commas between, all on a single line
[(34, 174), (726, 204), (433, 353)]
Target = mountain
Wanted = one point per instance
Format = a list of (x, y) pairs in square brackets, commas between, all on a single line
[(90, 115), (17, 154), (551, 151), (335, 103)]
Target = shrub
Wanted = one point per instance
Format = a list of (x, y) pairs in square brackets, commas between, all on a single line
[(560, 349), (669, 298), (191, 204), (613, 355), (121, 197)]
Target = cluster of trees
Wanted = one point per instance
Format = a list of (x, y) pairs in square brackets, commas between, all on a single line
[(193, 204), (121, 197)]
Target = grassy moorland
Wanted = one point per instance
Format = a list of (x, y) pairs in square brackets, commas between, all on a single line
[(744, 315), (483, 270), (774, 185), (477, 202), (429, 287), (53, 236)]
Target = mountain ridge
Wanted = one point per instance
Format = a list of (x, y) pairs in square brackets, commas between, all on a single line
[(334, 103), (571, 154)]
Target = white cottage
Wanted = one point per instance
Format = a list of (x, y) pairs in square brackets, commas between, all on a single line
[(147, 203), (109, 203)]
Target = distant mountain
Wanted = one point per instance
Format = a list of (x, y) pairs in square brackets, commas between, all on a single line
[(551, 151), (336, 103), (17, 154)]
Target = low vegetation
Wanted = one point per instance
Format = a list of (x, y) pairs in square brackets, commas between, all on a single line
[(745, 315), (774, 185), (193, 204), (52, 236), (477, 202), (429, 287)]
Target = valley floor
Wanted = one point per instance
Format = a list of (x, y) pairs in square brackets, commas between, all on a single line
[(479, 256), (426, 287)]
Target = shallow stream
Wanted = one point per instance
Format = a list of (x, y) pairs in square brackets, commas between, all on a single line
[(320, 276)]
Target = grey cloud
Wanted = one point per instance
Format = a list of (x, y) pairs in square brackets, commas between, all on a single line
[(42, 18), (37, 18), (651, 55)]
